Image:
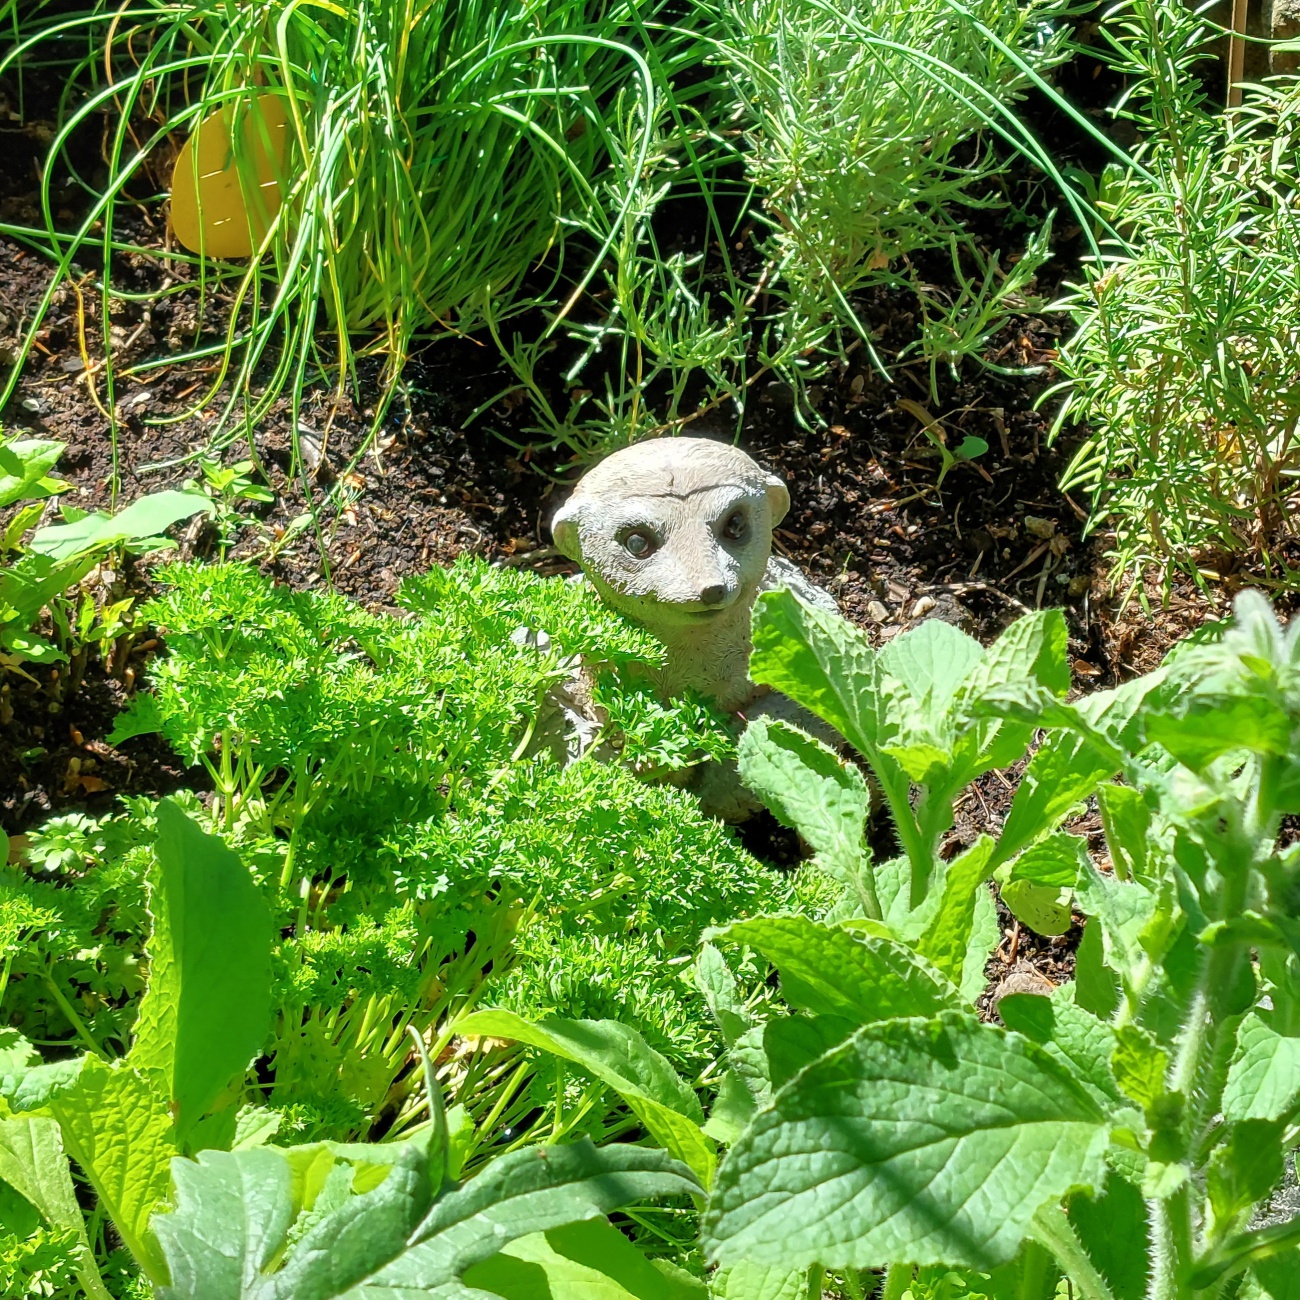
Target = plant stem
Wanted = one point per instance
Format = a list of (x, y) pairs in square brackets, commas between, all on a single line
[(73, 1019), (898, 1278), (1051, 1228)]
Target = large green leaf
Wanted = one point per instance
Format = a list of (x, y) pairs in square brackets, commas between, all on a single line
[(618, 1056), (589, 1260), (1033, 648), (208, 1007), (526, 1192), (929, 1142), (147, 517), (822, 662), (1220, 726), (1264, 1078), (33, 1163), (232, 1234), (837, 972), (117, 1127), (811, 790), (946, 940), (932, 660), (746, 1281), (1077, 1038)]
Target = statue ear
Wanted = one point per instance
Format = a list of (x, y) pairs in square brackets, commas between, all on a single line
[(778, 497), (564, 529)]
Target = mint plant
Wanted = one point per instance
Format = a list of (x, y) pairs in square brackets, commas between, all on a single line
[(1122, 1131)]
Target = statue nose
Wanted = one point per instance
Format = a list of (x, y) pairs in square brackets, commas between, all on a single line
[(713, 595)]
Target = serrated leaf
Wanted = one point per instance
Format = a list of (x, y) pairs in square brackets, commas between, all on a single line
[(1076, 1037), (33, 1163), (1264, 1077), (208, 1006), (618, 1056), (946, 940), (118, 1129), (985, 934), (589, 1260), (833, 971), (1139, 1064), (919, 1141), (810, 790), (821, 662), (932, 660), (1033, 648)]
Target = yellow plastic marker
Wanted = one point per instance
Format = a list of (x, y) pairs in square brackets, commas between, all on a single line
[(226, 214)]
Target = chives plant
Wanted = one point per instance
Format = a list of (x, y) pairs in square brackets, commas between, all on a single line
[(435, 149)]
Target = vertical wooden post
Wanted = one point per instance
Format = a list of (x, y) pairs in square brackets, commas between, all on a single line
[(1237, 52)]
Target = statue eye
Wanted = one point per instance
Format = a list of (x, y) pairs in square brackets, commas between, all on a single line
[(736, 527), (640, 544)]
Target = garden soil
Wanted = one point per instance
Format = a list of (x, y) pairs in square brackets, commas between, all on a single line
[(869, 519)]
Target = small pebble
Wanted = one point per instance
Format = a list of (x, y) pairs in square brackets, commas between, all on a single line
[(30, 405), (923, 607), (1039, 527), (877, 612)]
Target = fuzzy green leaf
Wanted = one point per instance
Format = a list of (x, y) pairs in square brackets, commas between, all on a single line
[(1264, 1077), (589, 1260), (836, 972), (621, 1058), (822, 662), (946, 940), (919, 1141), (208, 1007)]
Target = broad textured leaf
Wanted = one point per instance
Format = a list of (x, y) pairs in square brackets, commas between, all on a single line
[(1139, 1065), (1065, 771), (146, 517), (33, 1163), (946, 940), (932, 660), (1224, 725), (1126, 818), (836, 972), (732, 1109), (1246, 1167), (1096, 986), (27, 1088), (208, 1007), (791, 1042), (714, 979), (527, 1191), (1055, 861), (985, 935), (24, 465), (746, 1281), (117, 1127), (347, 1242), (822, 662), (1279, 1277), (621, 1058), (233, 1213), (581, 1261), (1074, 1036), (921, 1141), (1113, 1229), (1264, 1077), (809, 789), (1034, 647)]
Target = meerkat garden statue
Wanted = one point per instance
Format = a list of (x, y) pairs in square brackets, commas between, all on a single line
[(676, 534)]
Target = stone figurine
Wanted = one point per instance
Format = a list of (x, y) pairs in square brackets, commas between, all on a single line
[(676, 534)]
